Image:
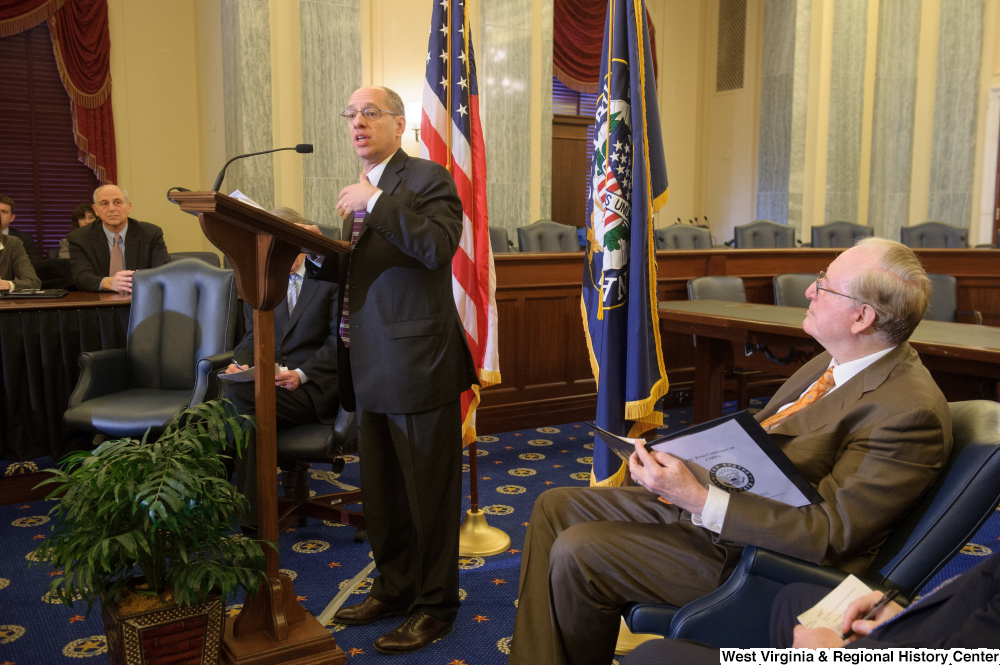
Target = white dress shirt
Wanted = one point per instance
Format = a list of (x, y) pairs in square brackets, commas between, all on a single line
[(301, 272), (714, 513)]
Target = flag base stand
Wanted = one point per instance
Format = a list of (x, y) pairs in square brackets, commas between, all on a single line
[(627, 640), (477, 538)]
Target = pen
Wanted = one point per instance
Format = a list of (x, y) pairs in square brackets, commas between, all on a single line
[(876, 608)]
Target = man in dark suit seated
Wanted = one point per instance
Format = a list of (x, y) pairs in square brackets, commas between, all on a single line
[(6, 217), (305, 346), (104, 256), (863, 422), (15, 268), (963, 612)]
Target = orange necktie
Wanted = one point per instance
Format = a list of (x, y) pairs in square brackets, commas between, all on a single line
[(818, 389)]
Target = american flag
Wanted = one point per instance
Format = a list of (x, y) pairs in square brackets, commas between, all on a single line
[(451, 135)]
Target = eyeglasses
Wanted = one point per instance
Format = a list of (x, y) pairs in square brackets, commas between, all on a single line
[(370, 114), (822, 277)]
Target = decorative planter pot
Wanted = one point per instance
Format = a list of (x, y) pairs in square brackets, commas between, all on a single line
[(167, 634)]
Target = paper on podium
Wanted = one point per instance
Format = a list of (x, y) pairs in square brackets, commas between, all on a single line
[(829, 612), (240, 196), (733, 453)]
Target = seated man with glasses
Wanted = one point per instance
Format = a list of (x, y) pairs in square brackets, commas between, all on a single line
[(863, 422)]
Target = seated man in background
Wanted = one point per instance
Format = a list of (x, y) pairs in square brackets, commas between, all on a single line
[(15, 269), (863, 422), (305, 342), (963, 612), (104, 256), (6, 217), (83, 215)]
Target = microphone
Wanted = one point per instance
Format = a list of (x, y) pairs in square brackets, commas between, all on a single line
[(302, 148), (175, 189)]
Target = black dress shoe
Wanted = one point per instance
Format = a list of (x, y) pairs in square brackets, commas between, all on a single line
[(367, 611), (415, 633)]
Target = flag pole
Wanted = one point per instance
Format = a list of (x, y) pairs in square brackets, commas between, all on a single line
[(476, 537)]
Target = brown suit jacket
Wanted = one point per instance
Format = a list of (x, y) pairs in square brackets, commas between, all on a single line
[(15, 265), (871, 448)]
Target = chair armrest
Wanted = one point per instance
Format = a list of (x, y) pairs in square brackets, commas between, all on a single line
[(206, 385), (345, 433), (743, 602), (101, 373), (973, 313)]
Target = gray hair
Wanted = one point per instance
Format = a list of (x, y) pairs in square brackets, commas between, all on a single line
[(897, 288), (98, 190), (393, 101)]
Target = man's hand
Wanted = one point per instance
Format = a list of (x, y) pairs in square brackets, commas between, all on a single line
[(667, 476), (6, 285), (288, 379), (234, 367), (860, 607), (121, 282), (355, 197), (816, 638)]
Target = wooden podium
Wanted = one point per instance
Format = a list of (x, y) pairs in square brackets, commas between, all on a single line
[(273, 627)]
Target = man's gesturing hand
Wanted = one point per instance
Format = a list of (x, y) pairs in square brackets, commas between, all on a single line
[(667, 476), (860, 607), (355, 197)]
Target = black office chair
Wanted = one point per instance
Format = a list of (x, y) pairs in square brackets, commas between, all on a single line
[(717, 287), (180, 332), (682, 236), (934, 234), (840, 234), (500, 241), (790, 289), (317, 442), (953, 509), (763, 234), (211, 258), (944, 301), (548, 236), (53, 253)]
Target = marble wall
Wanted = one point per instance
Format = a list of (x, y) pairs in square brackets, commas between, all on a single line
[(546, 97), (330, 37), (847, 100), (246, 83), (953, 143), (505, 98), (892, 124), (800, 92), (777, 83)]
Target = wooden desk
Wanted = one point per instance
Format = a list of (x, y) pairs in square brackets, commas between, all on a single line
[(40, 341), (724, 328)]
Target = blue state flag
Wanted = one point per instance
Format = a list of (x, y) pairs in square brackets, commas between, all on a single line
[(629, 184)]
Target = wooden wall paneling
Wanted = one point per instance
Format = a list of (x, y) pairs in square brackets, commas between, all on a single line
[(569, 178)]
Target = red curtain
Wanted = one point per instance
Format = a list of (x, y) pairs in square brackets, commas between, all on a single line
[(577, 40), (82, 44)]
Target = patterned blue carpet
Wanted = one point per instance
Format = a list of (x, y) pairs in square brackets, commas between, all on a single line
[(514, 468)]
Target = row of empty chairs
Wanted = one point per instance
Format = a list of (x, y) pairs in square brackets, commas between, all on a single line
[(549, 236), (790, 291)]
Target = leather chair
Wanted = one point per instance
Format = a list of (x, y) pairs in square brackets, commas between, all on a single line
[(682, 236), (730, 289), (763, 234), (944, 301), (934, 234), (500, 241), (211, 258), (790, 289), (180, 332), (717, 287), (840, 234), (940, 524), (547, 236), (53, 253), (302, 445)]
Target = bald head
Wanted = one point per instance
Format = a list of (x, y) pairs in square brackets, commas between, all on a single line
[(112, 205)]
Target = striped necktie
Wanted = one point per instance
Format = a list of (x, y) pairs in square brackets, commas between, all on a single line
[(293, 292), (117, 263), (818, 389), (345, 314)]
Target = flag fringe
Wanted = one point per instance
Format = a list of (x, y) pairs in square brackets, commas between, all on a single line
[(595, 368), (616, 480), (642, 410), (468, 429), (488, 378)]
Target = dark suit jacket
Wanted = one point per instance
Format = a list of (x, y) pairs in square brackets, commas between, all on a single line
[(408, 349), (29, 244), (90, 256), (871, 448), (305, 340)]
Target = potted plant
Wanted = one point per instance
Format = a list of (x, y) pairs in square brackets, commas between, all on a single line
[(147, 528)]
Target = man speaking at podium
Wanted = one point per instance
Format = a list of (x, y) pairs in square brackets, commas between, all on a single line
[(403, 365)]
